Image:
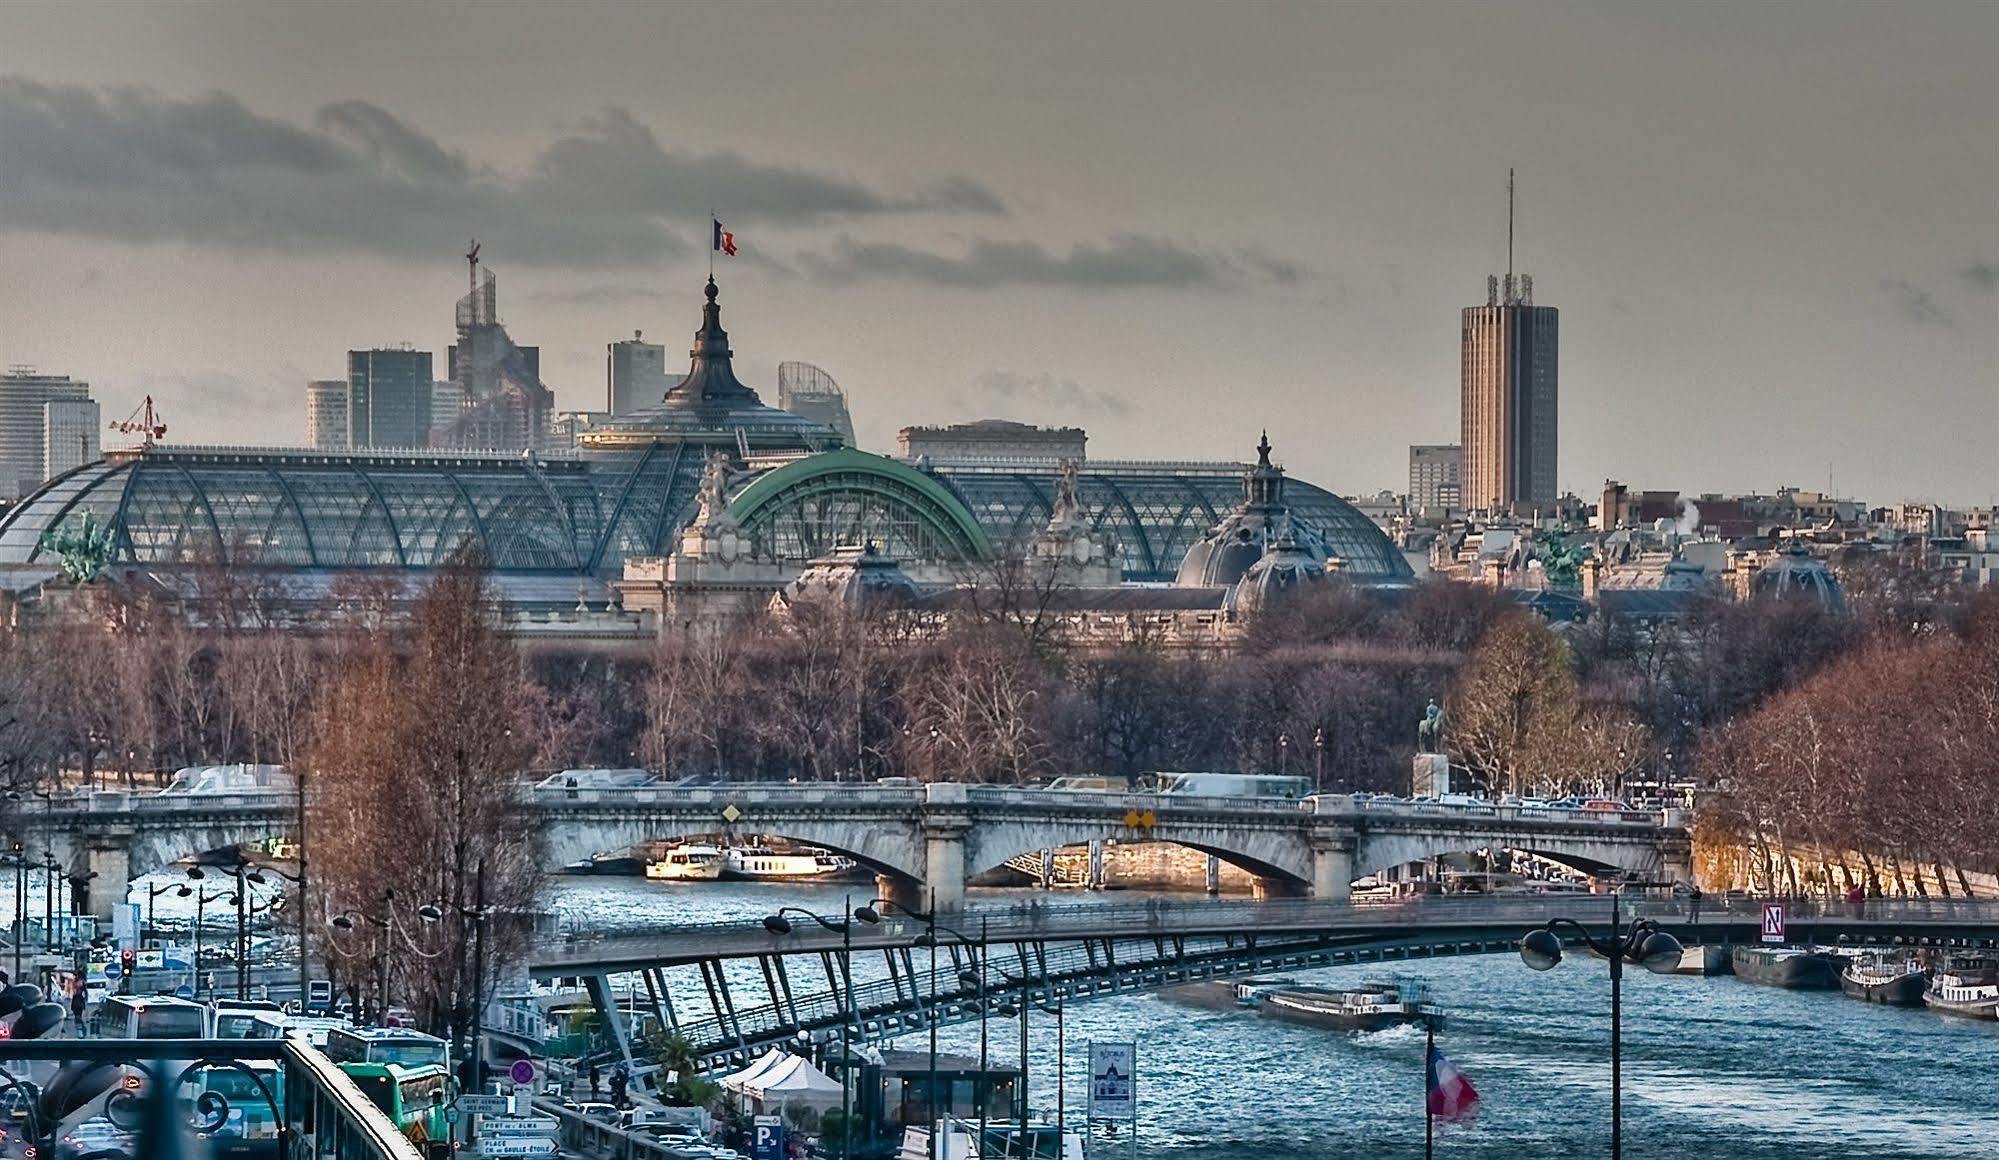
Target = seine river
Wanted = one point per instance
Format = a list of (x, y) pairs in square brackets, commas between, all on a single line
[(1715, 1069)]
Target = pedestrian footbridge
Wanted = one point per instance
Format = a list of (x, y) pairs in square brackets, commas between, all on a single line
[(892, 978)]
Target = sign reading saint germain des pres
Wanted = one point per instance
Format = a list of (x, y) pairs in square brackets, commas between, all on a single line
[(1113, 1081)]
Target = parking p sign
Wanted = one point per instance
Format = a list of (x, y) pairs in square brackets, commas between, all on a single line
[(1773, 922)]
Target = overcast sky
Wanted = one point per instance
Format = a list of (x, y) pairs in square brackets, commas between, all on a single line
[(1772, 230)]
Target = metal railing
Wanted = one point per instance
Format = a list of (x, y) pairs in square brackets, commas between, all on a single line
[(1074, 968), (322, 1114)]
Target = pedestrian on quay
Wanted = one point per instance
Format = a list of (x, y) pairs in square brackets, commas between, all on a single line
[(618, 1082), (596, 1078), (1694, 905), (1856, 899), (79, 999)]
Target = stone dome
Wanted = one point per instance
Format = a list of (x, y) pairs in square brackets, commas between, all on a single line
[(1797, 573), (852, 576), (1284, 569), (1244, 536)]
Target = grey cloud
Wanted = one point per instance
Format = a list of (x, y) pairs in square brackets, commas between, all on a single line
[(597, 296), (1127, 260), (130, 164), (1915, 304), (1982, 275), (1042, 392)]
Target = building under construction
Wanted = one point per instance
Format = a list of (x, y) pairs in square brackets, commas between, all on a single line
[(804, 389), (503, 405)]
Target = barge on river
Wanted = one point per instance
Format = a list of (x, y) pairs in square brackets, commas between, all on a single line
[(1966, 985), (1792, 968)]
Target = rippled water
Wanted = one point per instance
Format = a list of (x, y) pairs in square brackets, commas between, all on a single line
[(1715, 1069)]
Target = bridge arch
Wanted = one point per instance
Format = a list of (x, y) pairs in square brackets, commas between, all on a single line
[(1380, 851), (881, 849), (1278, 854)]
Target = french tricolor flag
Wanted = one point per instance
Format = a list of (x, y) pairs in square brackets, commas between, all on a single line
[(725, 242), (1452, 1097)]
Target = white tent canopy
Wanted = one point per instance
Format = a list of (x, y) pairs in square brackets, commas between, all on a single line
[(792, 1080), (737, 1081)]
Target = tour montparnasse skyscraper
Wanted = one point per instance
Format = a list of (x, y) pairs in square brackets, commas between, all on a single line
[(1509, 396)]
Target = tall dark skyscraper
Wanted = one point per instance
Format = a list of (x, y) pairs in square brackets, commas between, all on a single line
[(1508, 404), (388, 398)]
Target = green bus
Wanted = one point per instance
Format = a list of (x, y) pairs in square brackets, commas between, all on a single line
[(413, 1096), (249, 1129)]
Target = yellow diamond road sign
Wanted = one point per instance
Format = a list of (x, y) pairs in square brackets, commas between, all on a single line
[(730, 813)]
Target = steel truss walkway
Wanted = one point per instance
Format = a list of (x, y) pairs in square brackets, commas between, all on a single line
[(1077, 953)]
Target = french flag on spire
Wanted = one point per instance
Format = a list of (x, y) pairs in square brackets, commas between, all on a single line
[(1452, 1097), (725, 242)]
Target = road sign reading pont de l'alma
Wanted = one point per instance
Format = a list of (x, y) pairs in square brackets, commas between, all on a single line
[(1773, 922)]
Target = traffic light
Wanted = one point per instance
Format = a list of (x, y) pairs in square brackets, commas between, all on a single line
[(128, 961)]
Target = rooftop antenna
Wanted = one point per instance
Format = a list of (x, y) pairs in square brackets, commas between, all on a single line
[(1509, 226)]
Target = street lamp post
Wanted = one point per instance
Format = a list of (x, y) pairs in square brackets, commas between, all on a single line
[(244, 873), (777, 924), (179, 890), (966, 978), (49, 866), (476, 1051), (201, 901), (20, 915), (1643, 943)]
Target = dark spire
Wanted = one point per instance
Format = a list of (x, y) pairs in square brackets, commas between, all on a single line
[(711, 379), (1263, 486)]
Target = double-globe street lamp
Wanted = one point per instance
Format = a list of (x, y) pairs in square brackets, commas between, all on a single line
[(778, 924), (246, 874), (1642, 943), (477, 913), (976, 980)]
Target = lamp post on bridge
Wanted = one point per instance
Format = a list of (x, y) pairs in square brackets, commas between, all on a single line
[(1644, 944), (779, 925), (965, 978)]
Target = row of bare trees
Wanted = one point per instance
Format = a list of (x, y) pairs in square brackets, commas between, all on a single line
[(1889, 754)]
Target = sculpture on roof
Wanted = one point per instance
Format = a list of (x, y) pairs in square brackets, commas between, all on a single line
[(1068, 504), (1561, 558), (84, 549), (713, 496)]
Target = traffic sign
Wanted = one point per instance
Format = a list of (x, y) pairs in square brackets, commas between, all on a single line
[(481, 1105), (1773, 922), (519, 1126), (522, 1072), (112, 971), (516, 1146), (1113, 1081)]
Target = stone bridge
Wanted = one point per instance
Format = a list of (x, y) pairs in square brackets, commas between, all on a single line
[(924, 842)]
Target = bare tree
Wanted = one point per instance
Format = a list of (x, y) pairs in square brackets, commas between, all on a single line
[(416, 763)]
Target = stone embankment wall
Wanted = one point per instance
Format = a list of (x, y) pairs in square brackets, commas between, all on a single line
[(1139, 866)]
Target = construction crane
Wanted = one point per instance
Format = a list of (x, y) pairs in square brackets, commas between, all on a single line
[(144, 422)]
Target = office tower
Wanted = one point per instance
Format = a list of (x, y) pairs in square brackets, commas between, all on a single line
[(24, 397), (388, 398), (506, 407), (634, 375), (1509, 392), (447, 399), (804, 389), (1433, 477), (326, 414), (70, 435)]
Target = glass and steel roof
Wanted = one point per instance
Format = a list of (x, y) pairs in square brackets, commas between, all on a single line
[(584, 516)]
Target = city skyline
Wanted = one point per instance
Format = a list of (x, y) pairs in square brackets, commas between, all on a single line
[(1733, 323)]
